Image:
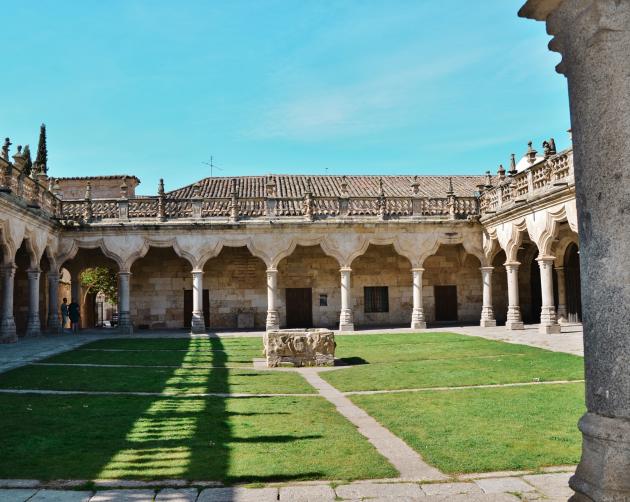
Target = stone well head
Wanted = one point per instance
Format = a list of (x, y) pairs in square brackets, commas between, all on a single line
[(299, 347)]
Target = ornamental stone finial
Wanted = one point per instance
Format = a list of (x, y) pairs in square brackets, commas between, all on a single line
[(344, 185), (512, 171), (309, 188), (124, 188), (196, 191), (488, 180), (415, 186), (450, 192), (552, 146), (161, 187), (88, 191), (531, 153), (233, 185), (271, 186), (5, 149), (381, 190)]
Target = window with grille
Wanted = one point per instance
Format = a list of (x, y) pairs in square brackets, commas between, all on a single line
[(376, 299)]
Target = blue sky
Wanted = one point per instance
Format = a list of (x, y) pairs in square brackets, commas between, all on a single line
[(153, 88)]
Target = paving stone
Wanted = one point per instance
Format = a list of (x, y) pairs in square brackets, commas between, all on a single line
[(381, 491), (123, 496), (552, 485), (177, 495), (16, 495), (504, 485), (61, 496), (238, 494), (474, 497), (306, 493), (450, 488), (19, 483)]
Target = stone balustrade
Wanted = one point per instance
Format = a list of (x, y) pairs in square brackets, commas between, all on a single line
[(541, 178), (32, 191), (233, 209)]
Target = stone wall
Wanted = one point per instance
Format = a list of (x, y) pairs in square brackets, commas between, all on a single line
[(452, 266), (382, 266), (237, 284), (158, 281), (102, 187)]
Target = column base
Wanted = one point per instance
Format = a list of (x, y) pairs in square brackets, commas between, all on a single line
[(125, 326), (549, 329), (7, 331), (602, 474), (488, 323), (418, 325), (273, 320), (197, 324), (33, 327), (346, 327), (514, 325), (53, 325)]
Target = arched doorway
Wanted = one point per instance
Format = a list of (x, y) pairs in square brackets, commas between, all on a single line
[(572, 281)]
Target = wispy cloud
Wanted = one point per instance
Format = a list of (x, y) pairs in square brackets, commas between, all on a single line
[(369, 104)]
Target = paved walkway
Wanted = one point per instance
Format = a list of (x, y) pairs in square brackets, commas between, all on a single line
[(550, 487)]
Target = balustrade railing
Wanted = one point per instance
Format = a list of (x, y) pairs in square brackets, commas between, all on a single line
[(31, 190), (548, 175)]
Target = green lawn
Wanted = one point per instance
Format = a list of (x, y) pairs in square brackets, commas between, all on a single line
[(232, 440), (401, 361), (477, 430)]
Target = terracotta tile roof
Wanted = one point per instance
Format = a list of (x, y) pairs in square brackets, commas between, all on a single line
[(330, 186), (104, 177)]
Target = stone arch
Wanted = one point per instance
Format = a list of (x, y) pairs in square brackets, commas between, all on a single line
[(308, 268), (235, 280), (452, 285), (158, 284), (382, 296)]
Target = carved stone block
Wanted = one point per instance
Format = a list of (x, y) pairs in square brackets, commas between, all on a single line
[(299, 347)]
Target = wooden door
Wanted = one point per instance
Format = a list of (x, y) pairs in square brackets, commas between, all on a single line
[(299, 303), (445, 303), (188, 306)]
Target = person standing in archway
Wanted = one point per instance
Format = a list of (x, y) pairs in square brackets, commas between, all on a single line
[(74, 314), (64, 314)]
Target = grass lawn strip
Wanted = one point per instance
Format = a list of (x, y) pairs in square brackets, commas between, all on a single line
[(179, 380), (457, 362), (232, 440), (188, 344), (483, 430)]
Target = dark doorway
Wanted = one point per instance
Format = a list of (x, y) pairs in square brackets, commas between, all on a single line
[(299, 308), (536, 298), (445, 303), (188, 306), (572, 283)]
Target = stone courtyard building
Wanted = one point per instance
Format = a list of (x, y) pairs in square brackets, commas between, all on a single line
[(258, 252)]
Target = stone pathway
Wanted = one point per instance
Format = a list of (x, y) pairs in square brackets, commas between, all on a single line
[(406, 460), (550, 487)]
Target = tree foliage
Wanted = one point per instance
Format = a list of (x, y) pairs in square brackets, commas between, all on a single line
[(100, 280)]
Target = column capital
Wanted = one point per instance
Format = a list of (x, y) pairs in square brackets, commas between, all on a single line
[(124, 273), (34, 271), (546, 258), (9, 267), (417, 269), (486, 269), (512, 264), (272, 270), (197, 271), (345, 269)]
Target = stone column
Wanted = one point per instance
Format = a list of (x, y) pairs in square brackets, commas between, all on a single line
[(417, 315), (125, 326), (514, 308), (548, 323), (53, 323), (273, 319), (562, 312), (7, 322), (197, 324), (487, 312), (593, 37), (33, 324), (346, 322)]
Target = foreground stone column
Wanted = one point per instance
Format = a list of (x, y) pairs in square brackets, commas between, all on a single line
[(53, 323), (197, 323), (548, 323), (487, 312), (346, 322), (562, 312), (33, 324), (273, 319), (593, 37), (125, 326), (417, 315), (514, 320), (7, 322)]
